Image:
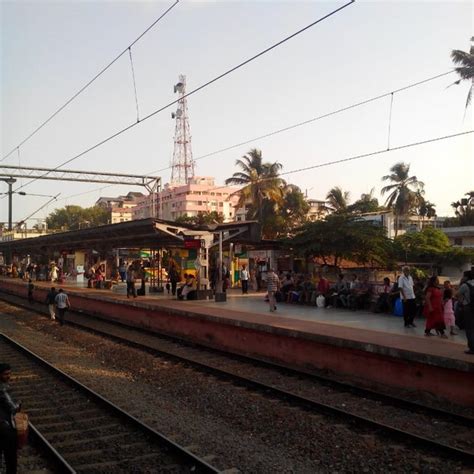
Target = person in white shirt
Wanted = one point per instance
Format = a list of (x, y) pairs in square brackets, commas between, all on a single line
[(407, 295), (244, 278), (62, 303)]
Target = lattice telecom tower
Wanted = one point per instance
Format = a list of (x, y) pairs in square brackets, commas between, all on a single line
[(183, 163)]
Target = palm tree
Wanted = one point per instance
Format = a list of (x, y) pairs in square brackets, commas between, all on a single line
[(260, 182), (404, 192), (337, 199), (465, 69), (464, 209)]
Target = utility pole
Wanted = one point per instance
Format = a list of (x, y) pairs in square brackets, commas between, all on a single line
[(10, 182)]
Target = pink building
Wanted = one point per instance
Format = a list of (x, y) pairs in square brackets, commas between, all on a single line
[(199, 195)]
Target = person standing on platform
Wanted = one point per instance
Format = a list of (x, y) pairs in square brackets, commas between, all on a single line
[(50, 301), (8, 408), (244, 278), (31, 287), (465, 294), (273, 285), (123, 270), (131, 282), (433, 310), (407, 295), (448, 309), (62, 304), (173, 275)]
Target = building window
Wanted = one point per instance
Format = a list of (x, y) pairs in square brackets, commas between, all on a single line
[(199, 203), (221, 204), (457, 240)]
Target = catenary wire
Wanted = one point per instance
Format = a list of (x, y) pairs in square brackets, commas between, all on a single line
[(299, 124), (208, 83), (83, 88), (315, 119), (335, 162), (290, 127)]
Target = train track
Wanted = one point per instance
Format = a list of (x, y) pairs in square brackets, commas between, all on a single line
[(427, 426), (81, 431)]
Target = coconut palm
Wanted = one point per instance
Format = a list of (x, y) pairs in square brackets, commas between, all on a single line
[(404, 191), (464, 209), (465, 69), (337, 200), (260, 182)]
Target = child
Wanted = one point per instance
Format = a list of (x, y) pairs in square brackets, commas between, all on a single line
[(448, 312)]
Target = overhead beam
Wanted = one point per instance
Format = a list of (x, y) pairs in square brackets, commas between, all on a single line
[(148, 182)]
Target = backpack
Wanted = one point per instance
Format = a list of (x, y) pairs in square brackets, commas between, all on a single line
[(471, 297)]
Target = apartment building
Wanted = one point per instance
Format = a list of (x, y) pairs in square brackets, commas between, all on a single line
[(200, 194)]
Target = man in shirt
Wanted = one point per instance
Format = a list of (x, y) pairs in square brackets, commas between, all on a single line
[(464, 298), (62, 303), (407, 295), (50, 301), (8, 408), (244, 278), (273, 285)]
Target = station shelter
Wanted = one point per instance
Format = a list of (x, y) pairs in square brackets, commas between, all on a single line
[(154, 243)]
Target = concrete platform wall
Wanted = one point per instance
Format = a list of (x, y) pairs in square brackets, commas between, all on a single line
[(397, 370)]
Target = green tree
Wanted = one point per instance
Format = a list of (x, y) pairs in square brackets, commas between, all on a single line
[(366, 203), (337, 200), (260, 181), (465, 67), (201, 219), (76, 217), (341, 236), (428, 246), (404, 191), (464, 211), (280, 219)]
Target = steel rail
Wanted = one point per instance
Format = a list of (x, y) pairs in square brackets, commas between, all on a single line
[(53, 456), (308, 403), (198, 464), (326, 380)]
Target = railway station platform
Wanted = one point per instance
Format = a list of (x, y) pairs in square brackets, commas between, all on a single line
[(363, 347)]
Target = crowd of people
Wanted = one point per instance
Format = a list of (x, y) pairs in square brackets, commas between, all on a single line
[(442, 307)]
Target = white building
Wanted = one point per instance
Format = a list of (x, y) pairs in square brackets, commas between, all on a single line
[(405, 224)]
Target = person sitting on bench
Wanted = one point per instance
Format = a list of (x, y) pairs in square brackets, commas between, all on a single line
[(188, 290)]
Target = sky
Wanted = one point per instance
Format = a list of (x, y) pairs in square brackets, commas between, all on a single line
[(51, 49)]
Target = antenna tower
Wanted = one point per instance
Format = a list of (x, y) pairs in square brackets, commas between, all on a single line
[(182, 167)]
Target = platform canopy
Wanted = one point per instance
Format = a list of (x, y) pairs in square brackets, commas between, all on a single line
[(143, 233)]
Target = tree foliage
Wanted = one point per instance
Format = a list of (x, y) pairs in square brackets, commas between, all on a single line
[(366, 203), (337, 200), (428, 246), (465, 67), (404, 190), (340, 236), (76, 217), (259, 181), (202, 218), (464, 211)]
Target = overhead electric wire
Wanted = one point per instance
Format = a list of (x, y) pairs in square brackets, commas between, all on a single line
[(335, 162), (208, 83), (319, 117), (299, 124), (83, 88), (358, 157), (40, 208)]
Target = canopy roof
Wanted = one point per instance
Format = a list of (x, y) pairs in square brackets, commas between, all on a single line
[(144, 233)]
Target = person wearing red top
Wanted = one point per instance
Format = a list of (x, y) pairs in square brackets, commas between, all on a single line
[(323, 285), (433, 309)]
